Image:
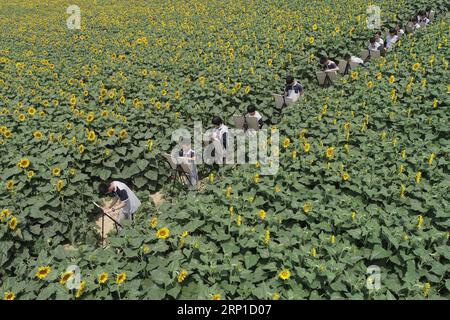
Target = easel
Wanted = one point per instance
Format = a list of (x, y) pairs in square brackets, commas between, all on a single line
[(246, 122), (116, 223), (182, 170), (325, 78)]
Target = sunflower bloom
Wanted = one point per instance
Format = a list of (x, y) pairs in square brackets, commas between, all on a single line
[(330, 152), (102, 278), (217, 297), (121, 277), (56, 172), (9, 296), (183, 274), (43, 272), (154, 222), (13, 223), (426, 289), (24, 163), (262, 214), (418, 177), (284, 274), (307, 207), (345, 176), (81, 289), (419, 222), (65, 277), (163, 233)]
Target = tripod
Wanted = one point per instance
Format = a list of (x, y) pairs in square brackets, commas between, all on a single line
[(116, 224)]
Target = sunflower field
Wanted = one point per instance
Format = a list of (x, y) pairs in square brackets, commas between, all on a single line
[(364, 175)]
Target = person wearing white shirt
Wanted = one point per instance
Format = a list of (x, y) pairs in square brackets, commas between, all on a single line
[(373, 44), (378, 38), (189, 154), (293, 89), (391, 39), (399, 29), (220, 134), (251, 112), (350, 58), (127, 201)]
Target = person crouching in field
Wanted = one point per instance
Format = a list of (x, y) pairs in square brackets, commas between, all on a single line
[(124, 200), (189, 155)]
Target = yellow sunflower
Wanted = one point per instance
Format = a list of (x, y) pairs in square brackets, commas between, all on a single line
[(262, 214), (37, 135), (13, 223), (217, 297), (121, 277), (330, 152), (183, 274), (65, 277), (284, 274), (43, 272), (9, 296), (24, 163), (163, 233), (56, 172), (103, 278), (10, 184), (307, 207)]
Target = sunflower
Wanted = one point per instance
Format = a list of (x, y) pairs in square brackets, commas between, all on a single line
[(419, 222), (330, 152), (56, 172), (4, 214), (307, 207), (183, 274), (81, 289), (217, 297), (416, 66), (286, 143), (354, 75), (277, 189), (121, 277), (276, 296), (314, 27), (154, 222), (431, 158), (262, 214), (391, 79), (426, 289), (31, 111), (102, 278), (239, 220), (59, 185), (347, 126), (333, 239), (37, 135), (307, 147), (110, 132), (311, 40), (24, 163), (345, 176), (314, 252), (81, 148), (10, 184), (9, 296), (163, 233), (123, 134), (284, 274), (267, 237), (90, 117), (22, 117), (13, 223), (418, 177), (256, 178), (91, 136), (43, 272), (370, 84), (65, 277)]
